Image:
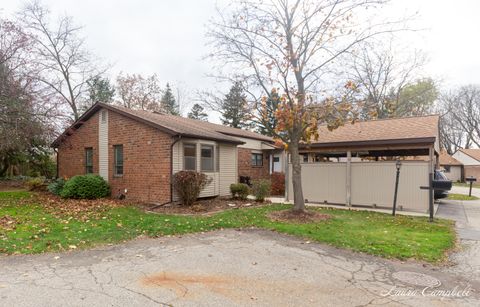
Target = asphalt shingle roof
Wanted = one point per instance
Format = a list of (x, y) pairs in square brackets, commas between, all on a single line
[(474, 153), (446, 159), (384, 129), (193, 127)]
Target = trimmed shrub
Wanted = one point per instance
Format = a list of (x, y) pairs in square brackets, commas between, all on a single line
[(278, 183), (35, 184), (261, 189), (189, 184), (239, 190), (85, 187), (56, 186)]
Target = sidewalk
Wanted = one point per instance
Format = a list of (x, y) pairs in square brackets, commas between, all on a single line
[(280, 200)]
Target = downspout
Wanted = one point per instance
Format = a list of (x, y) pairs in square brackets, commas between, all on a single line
[(171, 165)]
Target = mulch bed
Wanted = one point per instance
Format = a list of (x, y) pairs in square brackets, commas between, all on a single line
[(203, 206), (302, 217), (7, 222)]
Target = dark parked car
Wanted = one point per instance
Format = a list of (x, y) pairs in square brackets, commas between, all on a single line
[(441, 185)]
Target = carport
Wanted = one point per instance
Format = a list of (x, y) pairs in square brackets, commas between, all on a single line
[(355, 165)]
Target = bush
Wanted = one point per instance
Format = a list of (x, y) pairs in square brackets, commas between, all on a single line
[(239, 190), (85, 187), (35, 184), (278, 183), (189, 184), (261, 189), (56, 186)]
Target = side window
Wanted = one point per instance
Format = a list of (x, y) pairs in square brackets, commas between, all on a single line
[(207, 158), (190, 157), (257, 159), (118, 160), (88, 160)]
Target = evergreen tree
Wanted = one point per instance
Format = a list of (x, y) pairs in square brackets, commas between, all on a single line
[(100, 90), (234, 108), (198, 112), (168, 102), (268, 121)]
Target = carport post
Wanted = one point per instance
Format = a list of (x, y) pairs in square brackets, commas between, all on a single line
[(430, 184), (349, 178)]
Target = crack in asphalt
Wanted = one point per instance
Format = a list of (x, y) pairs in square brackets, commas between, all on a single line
[(106, 276)]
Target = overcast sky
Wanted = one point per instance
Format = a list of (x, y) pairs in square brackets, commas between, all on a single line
[(167, 37)]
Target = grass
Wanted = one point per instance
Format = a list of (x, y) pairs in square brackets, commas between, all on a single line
[(454, 196), (39, 230), (464, 184)]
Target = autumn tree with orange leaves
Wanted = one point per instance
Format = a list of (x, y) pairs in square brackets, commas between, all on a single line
[(294, 46)]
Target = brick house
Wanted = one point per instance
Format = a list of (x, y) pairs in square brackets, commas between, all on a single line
[(138, 151)]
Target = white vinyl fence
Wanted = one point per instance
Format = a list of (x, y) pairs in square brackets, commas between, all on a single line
[(371, 184)]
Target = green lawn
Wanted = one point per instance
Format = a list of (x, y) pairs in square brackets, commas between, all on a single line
[(463, 184), (39, 229), (454, 196)]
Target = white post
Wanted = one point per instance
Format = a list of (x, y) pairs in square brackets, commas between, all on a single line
[(349, 179), (287, 175)]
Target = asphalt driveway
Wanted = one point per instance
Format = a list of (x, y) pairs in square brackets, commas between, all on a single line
[(224, 268), (466, 215)]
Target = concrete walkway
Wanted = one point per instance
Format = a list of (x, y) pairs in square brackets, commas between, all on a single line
[(464, 190), (280, 200)]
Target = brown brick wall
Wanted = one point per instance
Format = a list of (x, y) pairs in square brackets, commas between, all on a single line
[(245, 167), (472, 170), (146, 151), (71, 152), (146, 154)]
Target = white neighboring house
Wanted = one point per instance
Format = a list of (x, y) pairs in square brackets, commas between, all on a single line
[(470, 158)]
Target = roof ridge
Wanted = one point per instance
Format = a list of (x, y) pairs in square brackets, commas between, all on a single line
[(252, 134), (194, 124)]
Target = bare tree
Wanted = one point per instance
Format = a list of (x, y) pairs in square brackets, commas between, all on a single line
[(64, 63), (139, 93), (459, 125), (384, 74), (292, 45)]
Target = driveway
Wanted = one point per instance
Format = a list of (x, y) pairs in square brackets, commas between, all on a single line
[(466, 215), (223, 268)]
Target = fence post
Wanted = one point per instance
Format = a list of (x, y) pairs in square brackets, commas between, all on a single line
[(349, 179)]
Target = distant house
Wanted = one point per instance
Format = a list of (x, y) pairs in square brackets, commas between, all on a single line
[(452, 168), (470, 158), (137, 152)]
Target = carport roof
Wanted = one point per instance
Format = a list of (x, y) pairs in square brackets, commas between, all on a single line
[(409, 130)]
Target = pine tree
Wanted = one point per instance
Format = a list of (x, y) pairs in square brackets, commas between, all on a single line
[(234, 108), (99, 90), (268, 121), (198, 112), (168, 102)]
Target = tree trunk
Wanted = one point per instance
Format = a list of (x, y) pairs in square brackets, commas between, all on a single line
[(298, 200)]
